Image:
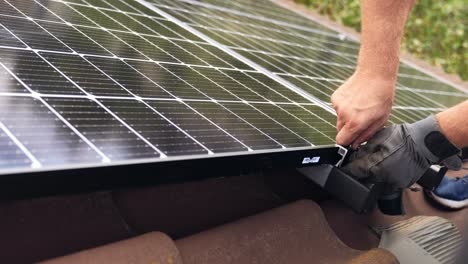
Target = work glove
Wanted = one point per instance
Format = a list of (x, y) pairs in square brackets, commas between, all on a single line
[(399, 155)]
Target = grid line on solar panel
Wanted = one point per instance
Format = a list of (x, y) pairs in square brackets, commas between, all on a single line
[(298, 125), (236, 125), (31, 34), (155, 127), (38, 75), (84, 75), (8, 40), (32, 9), (272, 127), (73, 38), (201, 127)]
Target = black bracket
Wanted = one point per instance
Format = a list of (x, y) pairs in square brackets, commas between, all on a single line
[(361, 197)]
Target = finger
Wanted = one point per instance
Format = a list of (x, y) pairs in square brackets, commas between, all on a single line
[(349, 133), (366, 135), (339, 124)]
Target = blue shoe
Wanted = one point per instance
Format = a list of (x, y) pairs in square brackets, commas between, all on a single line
[(452, 192)]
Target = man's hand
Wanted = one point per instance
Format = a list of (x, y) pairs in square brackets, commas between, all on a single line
[(363, 104), (399, 155)]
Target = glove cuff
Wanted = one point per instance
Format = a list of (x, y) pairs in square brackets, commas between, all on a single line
[(432, 142)]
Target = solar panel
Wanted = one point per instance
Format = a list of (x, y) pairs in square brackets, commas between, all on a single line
[(97, 83), (92, 84)]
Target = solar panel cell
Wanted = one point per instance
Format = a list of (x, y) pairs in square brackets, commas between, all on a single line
[(8, 40), (6, 9), (179, 31), (176, 51), (45, 137), (74, 39), (251, 136), (277, 87), (267, 125), (129, 78), (208, 133), (98, 17), (67, 13), (230, 85), (99, 3), (228, 58), (33, 9), (84, 75), (297, 125), (113, 44), (166, 80), (154, 127), (268, 93), (203, 54), (129, 22), (31, 34), (202, 84), (121, 6), (163, 52), (110, 134), (155, 27), (35, 73), (141, 9)]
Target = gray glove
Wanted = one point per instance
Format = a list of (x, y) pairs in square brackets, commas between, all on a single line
[(399, 155)]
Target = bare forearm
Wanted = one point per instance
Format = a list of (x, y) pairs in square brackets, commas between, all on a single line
[(383, 22), (454, 124)]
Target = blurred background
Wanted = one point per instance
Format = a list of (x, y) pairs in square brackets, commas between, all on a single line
[(435, 31)]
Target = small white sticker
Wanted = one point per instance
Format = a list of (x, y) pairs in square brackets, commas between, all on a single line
[(308, 160)]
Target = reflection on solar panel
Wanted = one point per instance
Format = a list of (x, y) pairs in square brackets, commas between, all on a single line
[(114, 81)]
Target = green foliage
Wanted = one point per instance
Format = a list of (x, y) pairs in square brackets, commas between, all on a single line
[(435, 30)]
